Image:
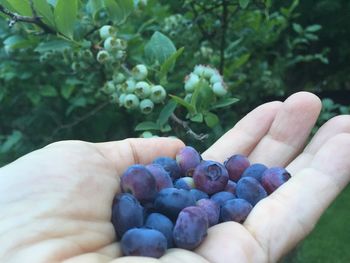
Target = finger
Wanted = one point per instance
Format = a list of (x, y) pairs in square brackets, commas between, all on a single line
[(289, 130), (230, 242), (297, 205), (124, 153), (243, 137), (336, 125)]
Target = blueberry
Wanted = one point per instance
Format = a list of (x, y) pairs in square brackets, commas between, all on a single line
[(256, 170), (211, 208), (231, 187), (235, 210), (198, 194), (138, 181), (235, 166), (187, 159), (221, 197), (143, 242), (162, 177), (273, 178), (184, 183), (163, 224), (210, 177), (127, 213), (190, 228), (170, 165), (170, 201), (250, 189)]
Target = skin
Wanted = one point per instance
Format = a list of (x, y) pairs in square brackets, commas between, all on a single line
[(56, 201)]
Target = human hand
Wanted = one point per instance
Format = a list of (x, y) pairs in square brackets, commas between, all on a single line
[(56, 202)]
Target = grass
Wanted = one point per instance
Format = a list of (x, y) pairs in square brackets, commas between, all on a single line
[(329, 242)]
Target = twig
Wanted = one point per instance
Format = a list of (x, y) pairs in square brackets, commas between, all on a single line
[(82, 118), (187, 128), (223, 35), (35, 19)]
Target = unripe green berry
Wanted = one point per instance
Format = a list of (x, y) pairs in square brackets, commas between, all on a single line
[(109, 87), (131, 101), (118, 77), (142, 89), (121, 44), (140, 72), (121, 99), (199, 70), (120, 54), (208, 72), (215, 78), (191, 82), (146, 106), (103, 56), (158, 94), (107, 31), (146, 134), (130, 86), (110, 44), (219, 89)]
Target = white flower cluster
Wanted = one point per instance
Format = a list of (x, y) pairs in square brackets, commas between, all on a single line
[(136, 92), (206, 73), (113, 47)]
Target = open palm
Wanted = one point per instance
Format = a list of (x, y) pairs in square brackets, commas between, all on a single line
[(55, 203)]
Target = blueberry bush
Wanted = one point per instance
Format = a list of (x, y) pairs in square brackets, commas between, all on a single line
[(111, 69)]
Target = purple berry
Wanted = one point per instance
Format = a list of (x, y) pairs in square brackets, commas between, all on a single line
[(143, 242), (256, 170), (138, 181), (221, 197), (162, 177), (235, 166), (210, 177), (250, 189), (231, 187), (127, 213), (187, 159), (170, 165), (170, 201), (273, 178), (211, 208), (235, 210), (185, 183), (198, 194), (162, 224), (190, 228)]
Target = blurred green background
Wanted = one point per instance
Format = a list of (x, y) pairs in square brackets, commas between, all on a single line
[(52, 88)]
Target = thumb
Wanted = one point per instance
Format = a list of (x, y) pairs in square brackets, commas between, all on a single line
[(122, 154)]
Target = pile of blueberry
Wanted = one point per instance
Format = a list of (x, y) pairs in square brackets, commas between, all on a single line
[(172, 203)]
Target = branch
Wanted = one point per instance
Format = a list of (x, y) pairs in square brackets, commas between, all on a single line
[(35, 19), (79, 120), (188, 130)]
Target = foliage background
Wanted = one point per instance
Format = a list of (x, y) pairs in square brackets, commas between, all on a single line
[(52, 89)]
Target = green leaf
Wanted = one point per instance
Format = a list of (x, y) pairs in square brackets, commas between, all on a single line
[(169, 64), (147, 125), (244, 3), (204, 98), (44, 9), (198, 117), (94, 6), (239, 62), (16, 41), (119, 10), (67, 90), (48, 91), (297, 28), (11, 141), (166, 128), (159, 48), (52, 45), (313, 28), (20, 6), (166, 112), (184, 103), (224, 103), (65, 14), (211, 119), (34, 97)]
